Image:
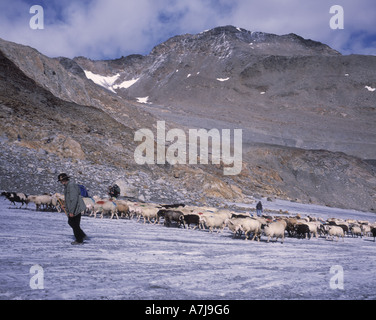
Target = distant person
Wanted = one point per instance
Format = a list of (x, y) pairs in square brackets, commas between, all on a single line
[(114, 191), (74, 206), (259, 209)]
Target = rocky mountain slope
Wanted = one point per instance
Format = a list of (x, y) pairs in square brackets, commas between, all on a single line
[(281, 90), (290, 96)]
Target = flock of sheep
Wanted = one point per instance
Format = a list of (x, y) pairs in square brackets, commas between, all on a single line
[(240, 224)]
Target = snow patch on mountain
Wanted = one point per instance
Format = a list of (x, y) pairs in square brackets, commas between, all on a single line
[(103, 81), (222, 79), (370, 88), (108, 81), (126, 84), (143, 99)]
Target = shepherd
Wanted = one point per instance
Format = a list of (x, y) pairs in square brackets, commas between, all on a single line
[(74, 207)]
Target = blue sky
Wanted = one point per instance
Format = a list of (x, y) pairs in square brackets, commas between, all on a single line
[(108, 29)]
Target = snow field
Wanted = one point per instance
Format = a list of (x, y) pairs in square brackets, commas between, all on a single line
[(124, 259)]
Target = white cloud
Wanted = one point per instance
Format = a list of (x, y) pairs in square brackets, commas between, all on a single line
[(112, 28)]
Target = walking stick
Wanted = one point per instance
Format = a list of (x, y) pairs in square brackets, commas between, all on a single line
[(62, 206)]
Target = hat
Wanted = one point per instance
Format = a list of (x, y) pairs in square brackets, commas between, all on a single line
[(62, 177)]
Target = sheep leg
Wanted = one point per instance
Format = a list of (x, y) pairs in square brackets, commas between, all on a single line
[(114, 213)]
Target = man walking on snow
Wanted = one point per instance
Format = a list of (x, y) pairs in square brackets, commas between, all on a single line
[(74, 206)]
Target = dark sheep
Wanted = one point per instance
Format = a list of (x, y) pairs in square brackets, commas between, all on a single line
[(373, 230), (345, 228), (16, 197), (161, 213), (302, 230), (171, 206), (239, 215), (176, 216), (192, 219)]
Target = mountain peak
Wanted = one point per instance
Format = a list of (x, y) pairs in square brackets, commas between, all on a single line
[(254, 42)]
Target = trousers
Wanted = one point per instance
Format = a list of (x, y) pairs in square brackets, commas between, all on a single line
[(75, 225)]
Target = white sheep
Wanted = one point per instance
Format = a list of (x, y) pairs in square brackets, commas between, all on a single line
[(234, 225), (276, 229), (249, 225), (149, 213), (89, 203), (134, 209), (40, 200), (313, 228), (366, 229), (223, 213), (356, 231), (334, 231), (103, 206), (213, 222), (122, 207), (57, 200)]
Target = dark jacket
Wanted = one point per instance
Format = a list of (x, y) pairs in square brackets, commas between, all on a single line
[(73, 200)]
